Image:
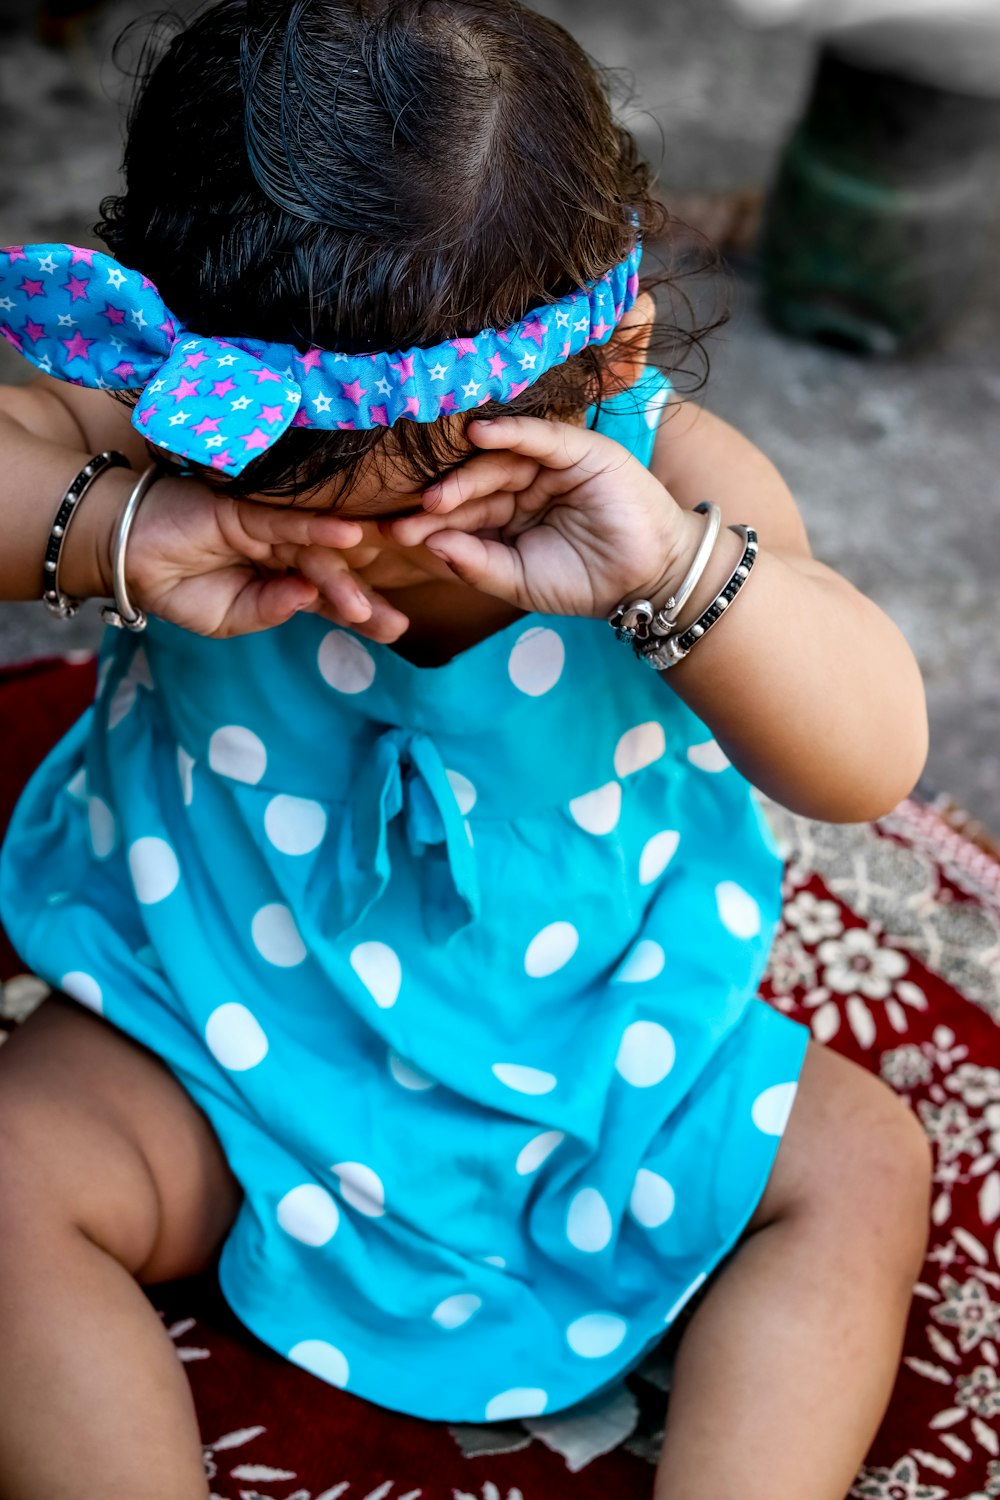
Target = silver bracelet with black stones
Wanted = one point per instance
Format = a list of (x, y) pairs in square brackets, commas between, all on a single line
[(667, 652), (53, 598)]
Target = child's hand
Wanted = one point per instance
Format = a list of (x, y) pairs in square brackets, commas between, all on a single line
[(556, 519), (222, 567)]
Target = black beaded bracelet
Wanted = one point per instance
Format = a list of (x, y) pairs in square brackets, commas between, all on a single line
[(52, 596), (663, 653)]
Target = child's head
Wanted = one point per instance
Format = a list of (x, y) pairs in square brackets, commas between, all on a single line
[(373, 175)]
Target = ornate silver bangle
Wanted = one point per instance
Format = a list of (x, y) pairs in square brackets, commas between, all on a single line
[(124, 614), (664, 654), (640, 620), (53, 598)]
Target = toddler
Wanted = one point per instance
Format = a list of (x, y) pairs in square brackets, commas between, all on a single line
[(406, 921)]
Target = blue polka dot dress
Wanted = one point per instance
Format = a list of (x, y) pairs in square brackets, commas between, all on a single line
[(461, 962)]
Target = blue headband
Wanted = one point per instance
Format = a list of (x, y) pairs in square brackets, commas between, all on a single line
[(82, 317)]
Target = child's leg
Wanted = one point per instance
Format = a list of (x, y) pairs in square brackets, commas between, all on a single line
[(785, 1371), (109, 1174)]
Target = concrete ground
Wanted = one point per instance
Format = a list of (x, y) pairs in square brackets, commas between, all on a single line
[(895, 464)]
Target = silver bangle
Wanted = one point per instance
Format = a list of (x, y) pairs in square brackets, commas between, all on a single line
[(55, 601), (639, 620), (666, 617), (124, 614), (666, 653)]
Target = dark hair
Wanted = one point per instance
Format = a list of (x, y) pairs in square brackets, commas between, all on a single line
[(376, 174)]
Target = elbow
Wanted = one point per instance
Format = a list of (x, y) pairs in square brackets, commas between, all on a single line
[(871, 790)]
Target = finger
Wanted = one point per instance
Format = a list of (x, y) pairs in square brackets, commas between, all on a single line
[(264, 603), (488, 511), (555, 445), (273, 524), (379, 628), (487, 565), (479, 476), (330, 572), (362, 608)]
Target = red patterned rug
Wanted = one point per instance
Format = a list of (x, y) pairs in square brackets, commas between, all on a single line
[(890, 949)]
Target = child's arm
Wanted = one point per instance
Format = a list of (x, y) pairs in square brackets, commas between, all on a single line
[(42, 450), (808, 686), (850, 737), (213, 565)]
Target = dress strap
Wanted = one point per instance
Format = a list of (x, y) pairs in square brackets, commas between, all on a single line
[(633, 417)]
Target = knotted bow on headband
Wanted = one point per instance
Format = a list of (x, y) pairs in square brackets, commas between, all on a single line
[(80, 316)]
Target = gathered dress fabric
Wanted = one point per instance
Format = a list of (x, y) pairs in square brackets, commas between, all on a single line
[(461, 962)]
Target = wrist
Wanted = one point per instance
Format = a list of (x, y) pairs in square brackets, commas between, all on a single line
[(85, 568), (666, 583)]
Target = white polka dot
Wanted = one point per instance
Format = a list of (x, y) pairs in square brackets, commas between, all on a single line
[(551, 949), (122, 700), (454, 1312), (509, 1405), (639, 748), (646, 961), (652, 1200), (771, 1108), (598, 812), (495, 1260), (235, 1037), (465, 792), (738, 911), (588, 1222), (657, 854), (596, 1335), (379, 969), (321, 1359), (531, 1156), (646, 1054), (708, 756), (537, 660), (524, 1080), (310, 1214), (103, 831), (155, 871), (77, 785), (345, 663), (85, 988), (185, 770), (238, 753), (361, 1188), (276, 936), (138, 669), (407, 1076), (295, 825)]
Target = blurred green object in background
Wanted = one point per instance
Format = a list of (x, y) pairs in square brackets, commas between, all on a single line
[(884, 211)]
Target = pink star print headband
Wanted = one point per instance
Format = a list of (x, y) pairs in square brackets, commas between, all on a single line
[(80, 316)]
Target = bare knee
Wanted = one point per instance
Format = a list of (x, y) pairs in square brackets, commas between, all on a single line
[(857, 1165), (97, 1135), (50, 1182), (896, 1188)]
